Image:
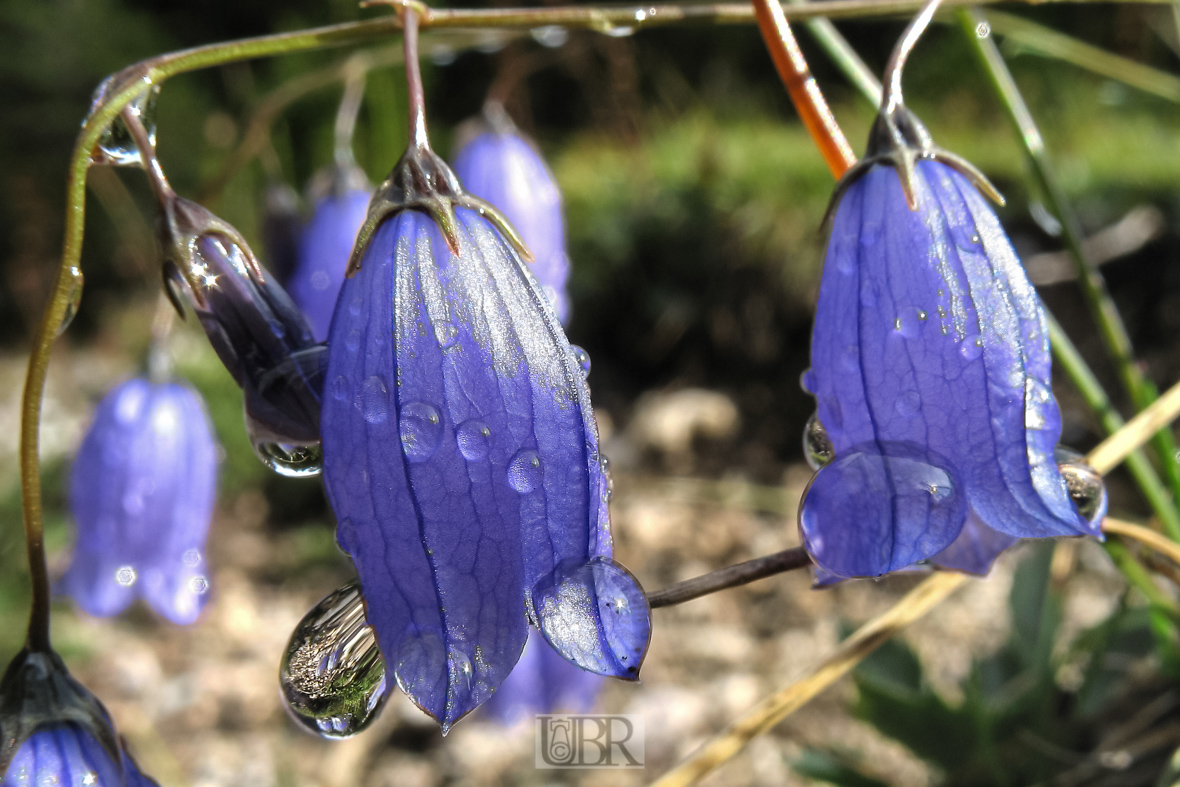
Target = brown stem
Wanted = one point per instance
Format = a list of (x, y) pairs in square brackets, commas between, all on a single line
[(147, 152), (730, 576), (417, 97), (805, 93)]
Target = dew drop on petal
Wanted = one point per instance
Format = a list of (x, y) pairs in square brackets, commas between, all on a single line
[(355, 307), (525, 472), (332, 674), (583, 359), (1086, 488), (1037, 399), (198, 585), (817, 448), (908, 404), (971, 348), (474, 439), (353, 340), (420, 427), (374, 400), (125, 576), (340, 388)]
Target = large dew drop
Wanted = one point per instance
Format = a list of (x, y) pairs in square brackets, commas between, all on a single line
[(595, 615), (332, 675), (1086, 488), (116, 147), (881, 509), (294, 460)]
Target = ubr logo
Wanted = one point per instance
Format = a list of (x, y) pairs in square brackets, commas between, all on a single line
[(583, 741)]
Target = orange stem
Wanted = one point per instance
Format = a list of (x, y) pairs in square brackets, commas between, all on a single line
[(801, 85)]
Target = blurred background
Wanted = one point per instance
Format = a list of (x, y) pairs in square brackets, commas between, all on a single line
[(694, 201)]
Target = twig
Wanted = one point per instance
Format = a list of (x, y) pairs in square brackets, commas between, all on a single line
[(730, 576)]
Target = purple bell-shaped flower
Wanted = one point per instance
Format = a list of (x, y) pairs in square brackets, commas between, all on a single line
[(142, 492), (542, 682), (498, 164), (53, 731), (460, 449), (930, 368), (326, 244)]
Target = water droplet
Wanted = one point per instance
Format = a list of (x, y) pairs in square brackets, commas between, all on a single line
[(897, 324), (922, 315), (353, 340), (125, 576), (807, 381), (346, 536), (420, 427), (817, 448), (340, 388), (551, 36), (1086, 488), (596, 615), (524, 471), (446, 334), (620, 32), (1037, 401), (971, 348), (583, 359), (374, 401), (73, 298), (908, 404), (945, 330), (332, 674), (89, 778), (975, 238), (609, 488), (355, 307), (983, 30), (191, 558), (942, 312), (294, 460), (198, 585), (880, 509), (474, 439), (116, 147)]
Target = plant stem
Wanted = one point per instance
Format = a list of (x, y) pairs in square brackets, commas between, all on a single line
[(844, 56), (1102, 307), (805, 93), (416, 96), (1079, 373), (730, 576), (1047, 42)]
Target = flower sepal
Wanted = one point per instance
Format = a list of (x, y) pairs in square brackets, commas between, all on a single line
[(423, 181), (38, 690)]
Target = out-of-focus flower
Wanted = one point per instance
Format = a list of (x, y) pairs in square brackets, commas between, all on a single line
[(930, 368), (502, 166), (53, 731), (461, 455), (142, 492), (281, 228), (326, 243), (542, 682)]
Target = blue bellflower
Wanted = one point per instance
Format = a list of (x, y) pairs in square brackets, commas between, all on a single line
[(543, 682), (930, 368), (325, 245), (461, 453), (53, 731), (260, 335), (142, 491), (500, 165)]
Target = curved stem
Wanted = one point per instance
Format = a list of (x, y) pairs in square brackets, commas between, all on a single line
[(416, 95), (901, 53), (355, 70), (801, 85), (729, 577), (147, 153)]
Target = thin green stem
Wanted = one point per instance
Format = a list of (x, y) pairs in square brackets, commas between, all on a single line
[(1105, 313), (1047, 42), (844, 56), (1139, 576), (1072, 363)]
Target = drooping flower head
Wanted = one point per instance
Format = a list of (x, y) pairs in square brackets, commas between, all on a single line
[(499, 164), (543, 682), (930, 368), (325, 244), (142, 491), (460, 449), (53, 731), (258, 332)]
